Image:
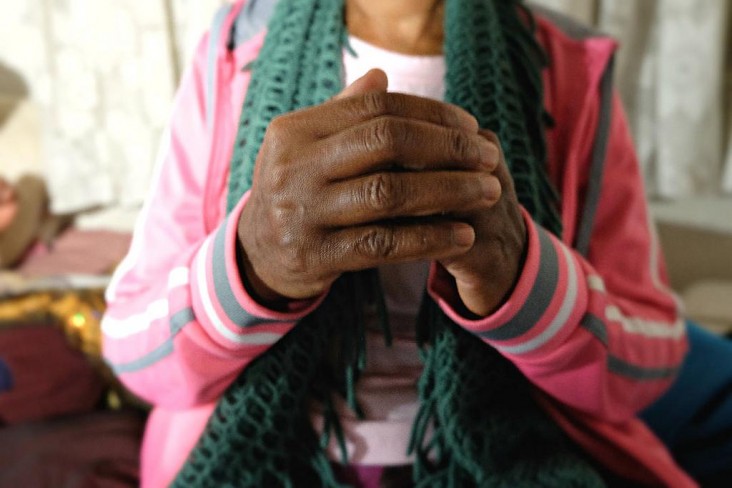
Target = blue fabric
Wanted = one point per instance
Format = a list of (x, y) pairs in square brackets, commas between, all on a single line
[(6, 377), (694, 417)]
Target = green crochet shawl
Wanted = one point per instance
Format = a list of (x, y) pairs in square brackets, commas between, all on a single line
[(486, 428)]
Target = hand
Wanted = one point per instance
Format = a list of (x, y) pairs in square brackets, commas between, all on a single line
[(486, 274), (362, 180)]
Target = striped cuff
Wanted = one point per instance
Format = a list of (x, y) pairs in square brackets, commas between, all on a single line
[(550, 295), (222, 303)]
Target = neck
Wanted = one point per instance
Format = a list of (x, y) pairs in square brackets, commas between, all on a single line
[(404, 26)]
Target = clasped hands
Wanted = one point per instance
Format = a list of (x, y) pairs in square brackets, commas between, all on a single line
[(370, 178)]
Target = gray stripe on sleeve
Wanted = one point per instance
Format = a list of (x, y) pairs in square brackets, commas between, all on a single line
[(539, 297), (177, 322), (181, 319), (622, 368), (222, 287), (595, 326), (597, 165), (559, 320), (160, 352)]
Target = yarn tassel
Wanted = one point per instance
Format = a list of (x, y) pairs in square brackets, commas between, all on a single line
[(477, 419)]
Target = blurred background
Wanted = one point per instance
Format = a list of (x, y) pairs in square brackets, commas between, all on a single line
[(85, 91)]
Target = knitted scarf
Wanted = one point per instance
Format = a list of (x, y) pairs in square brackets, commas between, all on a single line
[(486, 429)]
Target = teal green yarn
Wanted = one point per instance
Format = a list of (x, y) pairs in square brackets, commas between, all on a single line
[(486, 428), (286, 76)]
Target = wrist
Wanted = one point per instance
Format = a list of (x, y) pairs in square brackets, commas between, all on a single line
[(255, 286)]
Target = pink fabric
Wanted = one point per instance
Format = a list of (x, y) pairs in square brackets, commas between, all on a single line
[(165, 293), (76, 252)]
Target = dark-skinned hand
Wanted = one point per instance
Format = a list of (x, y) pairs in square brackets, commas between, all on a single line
[(370, 178)]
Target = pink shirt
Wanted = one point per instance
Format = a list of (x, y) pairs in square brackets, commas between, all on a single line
[(607, 338)]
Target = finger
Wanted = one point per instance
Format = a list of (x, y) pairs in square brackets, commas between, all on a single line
[(389, 142), (492, 138), (391, 195), (501, 171), (357, 248), (336, 115), (374, 80)]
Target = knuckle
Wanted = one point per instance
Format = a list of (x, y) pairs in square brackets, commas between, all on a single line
[(275, 149), (461, 146), (383, 137), (293, 255), (442, 116), (376, 103), (277, 128), (378, 243), (383, 192), (279, 220)]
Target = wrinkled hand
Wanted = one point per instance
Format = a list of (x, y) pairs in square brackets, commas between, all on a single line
[(487, 273), (366, 179)]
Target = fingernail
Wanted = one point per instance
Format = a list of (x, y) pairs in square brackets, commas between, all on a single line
[(491, 187), (463, 235), (489, 153), (470, 123)]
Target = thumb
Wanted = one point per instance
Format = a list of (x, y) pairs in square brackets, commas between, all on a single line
[(374, 80)]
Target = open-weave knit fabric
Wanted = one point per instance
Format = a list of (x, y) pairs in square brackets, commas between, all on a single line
[(486, 430)]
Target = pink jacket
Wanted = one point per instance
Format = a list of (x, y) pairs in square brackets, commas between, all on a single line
[(607, 339)]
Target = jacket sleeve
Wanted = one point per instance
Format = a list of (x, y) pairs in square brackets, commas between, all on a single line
[(180, 325), (603, 334)]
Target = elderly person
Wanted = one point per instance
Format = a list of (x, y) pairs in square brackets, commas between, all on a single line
[(442, 274)]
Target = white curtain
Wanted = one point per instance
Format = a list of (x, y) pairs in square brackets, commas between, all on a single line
[(672, 75), (191, 19), (101, 76)]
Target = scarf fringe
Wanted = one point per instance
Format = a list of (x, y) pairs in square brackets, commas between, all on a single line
[(477, 424)]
